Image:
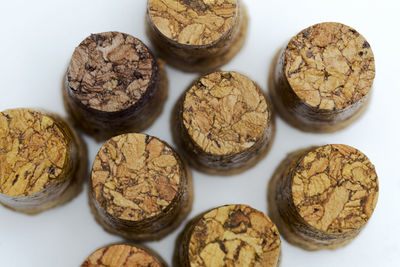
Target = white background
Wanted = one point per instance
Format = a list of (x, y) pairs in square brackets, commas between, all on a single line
[(37, 39)]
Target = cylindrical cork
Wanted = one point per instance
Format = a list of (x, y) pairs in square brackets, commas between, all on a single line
[(124, 255), (232, 235), (113, 85), (198, 35), (140, 188), (321, 197), (223, 123), (43, 161), (323, 78)]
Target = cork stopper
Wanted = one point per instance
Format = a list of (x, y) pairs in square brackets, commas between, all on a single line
[(135, 176), (335, 188), (329, 66), (110, 71), (234, 235), (193, 23), (33, 152), (225, 113), (121, 255)]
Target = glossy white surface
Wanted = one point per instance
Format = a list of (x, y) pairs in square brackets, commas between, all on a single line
[(37, 40)]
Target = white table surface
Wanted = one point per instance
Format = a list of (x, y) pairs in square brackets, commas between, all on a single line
[(37, 41)]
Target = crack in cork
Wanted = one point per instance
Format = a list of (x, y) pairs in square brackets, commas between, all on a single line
[(225, 113), (196, 22), (335, 188), (33, 152), (135, 176), (329, 66), (234, 235), (121, 255), (110, 71)]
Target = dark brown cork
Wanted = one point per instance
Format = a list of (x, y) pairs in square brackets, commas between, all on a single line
[(114, 84), (140, 188), (43, 161), (232, 235), (321, 197), (323, 78), (199, 35), (124, 255), (223, 123)]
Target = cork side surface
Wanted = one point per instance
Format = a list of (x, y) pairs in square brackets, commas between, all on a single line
[(135, 177), (122, 255), (33, 152), (110, 71), (329, 66), (234, 235), (335, 188), (196, 23), (225, 113)]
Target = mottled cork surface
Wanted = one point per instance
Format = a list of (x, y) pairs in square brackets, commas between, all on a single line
[(225, 113), (110, 71), (335, 188), (329, 66), (33, 152), (196, 22), (135, 176), (234, 235), (122, 255)]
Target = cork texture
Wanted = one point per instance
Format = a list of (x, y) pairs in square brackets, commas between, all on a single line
[(225, 113), (122, 255), (110, 71), (135, 176), (195, 23), (33, 152), (322, 197), (329, 66), (335, 188), (233, 235)]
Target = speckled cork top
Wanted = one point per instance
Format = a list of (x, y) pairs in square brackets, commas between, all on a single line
[(225, 113), (121, 256), (335, 188), (33, 152), (110, 71), (135, 176), (195, 22), (329, 66), (234, 235)]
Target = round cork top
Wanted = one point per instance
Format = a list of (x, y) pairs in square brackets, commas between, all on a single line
[(195, 22), (234, 235), (329, 66), (335, 188), (225, 113), (121, 255), (33, 152), (135, 176), (110, 71)]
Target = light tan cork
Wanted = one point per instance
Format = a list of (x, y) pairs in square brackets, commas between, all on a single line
[(323, 196), (139, 180), (223, 123), (123, 255), (232, 235), (199, 22)]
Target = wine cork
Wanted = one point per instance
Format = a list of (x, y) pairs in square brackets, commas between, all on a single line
[(114, 84), (223, 123), (232, 235), (322, 197), (199, 35), (140, 188), (124, 255), (43, 161), (324, 77)]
